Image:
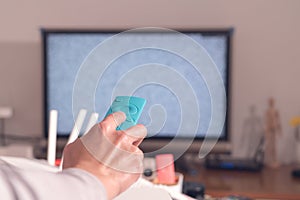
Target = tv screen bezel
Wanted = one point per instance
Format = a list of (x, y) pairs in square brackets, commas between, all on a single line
[(217, 31)]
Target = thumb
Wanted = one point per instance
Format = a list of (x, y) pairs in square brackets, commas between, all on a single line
[(113, 120)]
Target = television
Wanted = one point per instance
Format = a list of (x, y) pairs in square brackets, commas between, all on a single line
[(88, 68)]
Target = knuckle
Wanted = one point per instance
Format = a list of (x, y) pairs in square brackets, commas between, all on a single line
[(104, 126), (142, 130)]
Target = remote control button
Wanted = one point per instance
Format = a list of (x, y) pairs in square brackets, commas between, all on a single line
[(118, 100), (120, 108), (129, 119), (132, 109)]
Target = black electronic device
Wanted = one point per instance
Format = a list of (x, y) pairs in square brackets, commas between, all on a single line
[(225, 161), (65, 51), (193, 189), (296, 173)]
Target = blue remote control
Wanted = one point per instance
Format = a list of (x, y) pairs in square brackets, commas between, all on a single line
[(131, 106)]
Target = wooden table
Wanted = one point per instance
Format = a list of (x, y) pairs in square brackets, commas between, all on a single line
[(267, 184)]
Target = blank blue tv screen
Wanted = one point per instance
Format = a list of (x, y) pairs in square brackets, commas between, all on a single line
[(65, 51)]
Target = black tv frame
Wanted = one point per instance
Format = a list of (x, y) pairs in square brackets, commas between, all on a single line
[(228, 32)]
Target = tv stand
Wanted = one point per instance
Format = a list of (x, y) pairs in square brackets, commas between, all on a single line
[(189, 163), (266, 184)]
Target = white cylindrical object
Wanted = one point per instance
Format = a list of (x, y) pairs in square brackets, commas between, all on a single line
[(51, 153), (77, 126), (93, 120), (75, 131)]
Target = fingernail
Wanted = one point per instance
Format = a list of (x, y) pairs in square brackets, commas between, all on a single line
[(119, 117)]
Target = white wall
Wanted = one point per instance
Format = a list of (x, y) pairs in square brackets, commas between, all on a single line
[(266, 49)]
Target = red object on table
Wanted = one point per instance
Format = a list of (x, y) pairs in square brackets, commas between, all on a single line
[(57, 162), (165, 169)]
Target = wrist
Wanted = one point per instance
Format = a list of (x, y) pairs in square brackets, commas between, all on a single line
[(111, 186)]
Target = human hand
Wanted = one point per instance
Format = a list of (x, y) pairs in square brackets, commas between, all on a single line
[(112, 156)]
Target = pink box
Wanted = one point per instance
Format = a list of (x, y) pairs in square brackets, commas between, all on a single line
[(165, 169)]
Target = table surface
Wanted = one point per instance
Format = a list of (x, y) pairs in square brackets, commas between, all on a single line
[(268, 183)]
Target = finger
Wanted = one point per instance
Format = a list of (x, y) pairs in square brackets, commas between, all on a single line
[(113, 120), (120, 155), (136, 134)]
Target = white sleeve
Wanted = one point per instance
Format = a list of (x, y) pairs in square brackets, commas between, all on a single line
[(26, 184)]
